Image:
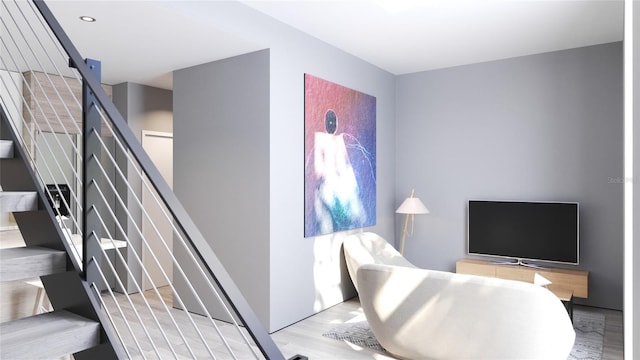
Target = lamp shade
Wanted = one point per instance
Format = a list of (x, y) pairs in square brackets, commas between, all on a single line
[(412, 205)]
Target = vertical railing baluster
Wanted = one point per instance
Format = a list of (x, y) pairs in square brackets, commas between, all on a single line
[(91, 151)]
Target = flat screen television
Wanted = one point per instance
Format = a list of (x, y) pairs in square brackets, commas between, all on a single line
[(523, 230)]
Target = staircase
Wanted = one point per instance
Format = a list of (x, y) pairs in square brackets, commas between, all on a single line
[(96, 285), (73, 327)]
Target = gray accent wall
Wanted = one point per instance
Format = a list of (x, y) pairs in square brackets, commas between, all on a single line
[(632, 323), (539, 127), (308, 275), (294, 277), (221, 167), (143, 108)]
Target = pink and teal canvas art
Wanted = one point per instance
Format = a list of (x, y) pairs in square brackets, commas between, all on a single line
[(340, 157)]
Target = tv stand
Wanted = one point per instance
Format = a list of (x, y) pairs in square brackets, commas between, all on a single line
[(563, 281)]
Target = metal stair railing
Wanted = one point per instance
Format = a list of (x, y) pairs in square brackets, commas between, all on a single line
[(116, 242)]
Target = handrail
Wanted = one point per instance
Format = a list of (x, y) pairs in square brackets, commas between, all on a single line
[(182, 223)]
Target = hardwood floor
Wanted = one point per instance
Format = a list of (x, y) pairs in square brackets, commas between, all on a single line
[(304, 337), (613, 334)]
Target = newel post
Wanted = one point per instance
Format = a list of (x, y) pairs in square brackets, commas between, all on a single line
[(91, 150)]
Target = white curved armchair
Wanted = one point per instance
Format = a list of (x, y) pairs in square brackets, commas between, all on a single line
[(369, 248), (424, 314)]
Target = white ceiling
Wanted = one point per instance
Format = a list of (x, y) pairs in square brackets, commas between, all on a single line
[(427, 34)]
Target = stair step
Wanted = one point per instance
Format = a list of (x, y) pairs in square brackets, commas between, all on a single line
[(29, 262), (47, 336), (16, 201), (6, 149)]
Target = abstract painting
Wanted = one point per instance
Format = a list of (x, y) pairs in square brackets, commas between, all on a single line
[(340, 157)]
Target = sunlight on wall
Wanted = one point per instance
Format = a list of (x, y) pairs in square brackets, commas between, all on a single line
[(328, 270)]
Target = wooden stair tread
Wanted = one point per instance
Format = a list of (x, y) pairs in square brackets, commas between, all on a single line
[(48, 335), (28, 262), (6, 149), (16, 201)]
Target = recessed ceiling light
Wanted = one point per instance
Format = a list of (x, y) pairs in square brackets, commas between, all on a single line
[(87, 18)]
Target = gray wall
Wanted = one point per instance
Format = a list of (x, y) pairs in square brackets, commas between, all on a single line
[(143, 108), (632, 323), (304, 275), (308, 274), (540, 127), (554, 129), (221, 166)]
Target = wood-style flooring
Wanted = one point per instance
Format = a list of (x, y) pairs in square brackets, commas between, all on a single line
[(304, 337)]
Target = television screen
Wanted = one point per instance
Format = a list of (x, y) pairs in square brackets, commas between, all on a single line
[(545, 231)]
